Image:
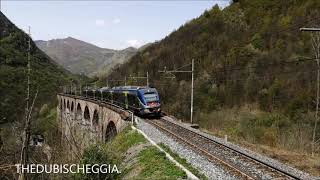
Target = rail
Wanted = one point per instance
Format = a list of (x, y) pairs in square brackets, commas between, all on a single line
[(190, 138), (205, 145)]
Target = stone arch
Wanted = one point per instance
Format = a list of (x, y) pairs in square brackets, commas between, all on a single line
[(72, 106), (111, 131), (61, 104), (79, 112), (95, 120), (68, 105), (101, 130), (86, 114)]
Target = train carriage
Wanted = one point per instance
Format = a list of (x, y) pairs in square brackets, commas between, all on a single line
[(140, 100)]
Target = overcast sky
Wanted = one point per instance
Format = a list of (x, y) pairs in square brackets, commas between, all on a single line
[(108, 24)]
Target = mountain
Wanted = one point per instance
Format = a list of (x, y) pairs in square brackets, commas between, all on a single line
[(46, 75), (118, 58), (82, 57), (253, 81)]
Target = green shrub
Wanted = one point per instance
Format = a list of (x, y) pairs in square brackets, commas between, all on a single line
[(257, 41), (97, 155), (164, 169)]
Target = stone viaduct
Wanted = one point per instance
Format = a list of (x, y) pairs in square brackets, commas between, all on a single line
[(85, 121)]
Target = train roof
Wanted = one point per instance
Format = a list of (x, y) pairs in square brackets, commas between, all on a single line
[(144, 89), (131, 88)]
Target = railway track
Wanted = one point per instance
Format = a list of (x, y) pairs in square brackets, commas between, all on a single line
[(240, 165), (233, 161)]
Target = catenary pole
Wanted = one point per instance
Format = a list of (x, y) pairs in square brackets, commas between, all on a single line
[(147, 79), (192, 82), (141, 77)]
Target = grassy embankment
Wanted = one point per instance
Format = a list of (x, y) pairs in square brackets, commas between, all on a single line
[(183, 162), (270, 133), (134, 157)]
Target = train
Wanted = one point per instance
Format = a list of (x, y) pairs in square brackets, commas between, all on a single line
[(143, 101)]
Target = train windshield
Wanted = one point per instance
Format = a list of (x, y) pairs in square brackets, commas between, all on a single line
[(150, 97)]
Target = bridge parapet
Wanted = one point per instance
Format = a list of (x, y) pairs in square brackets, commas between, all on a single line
[(85, 121)]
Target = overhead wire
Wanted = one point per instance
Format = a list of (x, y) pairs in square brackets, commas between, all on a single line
[(263, 65), (262, 77)]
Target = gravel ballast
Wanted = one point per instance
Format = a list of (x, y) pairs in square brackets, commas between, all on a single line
[(209, 169), (267, 160)]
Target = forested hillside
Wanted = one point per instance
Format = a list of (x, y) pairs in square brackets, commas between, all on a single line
[(46, 75), (240, 53), (254, 71)]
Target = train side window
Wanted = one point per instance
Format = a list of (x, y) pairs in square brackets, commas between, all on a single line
[(105, 96), (133, 100), (108, 96), (122, 98), (117, 98), (89, 93)]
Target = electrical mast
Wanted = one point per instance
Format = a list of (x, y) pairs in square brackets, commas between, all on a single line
[(141, 77), (192, 82)]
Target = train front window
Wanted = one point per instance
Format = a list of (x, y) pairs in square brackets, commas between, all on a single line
[(150, 97)]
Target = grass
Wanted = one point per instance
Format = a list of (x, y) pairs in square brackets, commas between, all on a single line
[(145, 162), (124, 140), (183, 162), (155, 165)]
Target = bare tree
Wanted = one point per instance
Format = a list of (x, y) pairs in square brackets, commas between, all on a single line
[(316, 48), (315, 37), (28, 112)]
